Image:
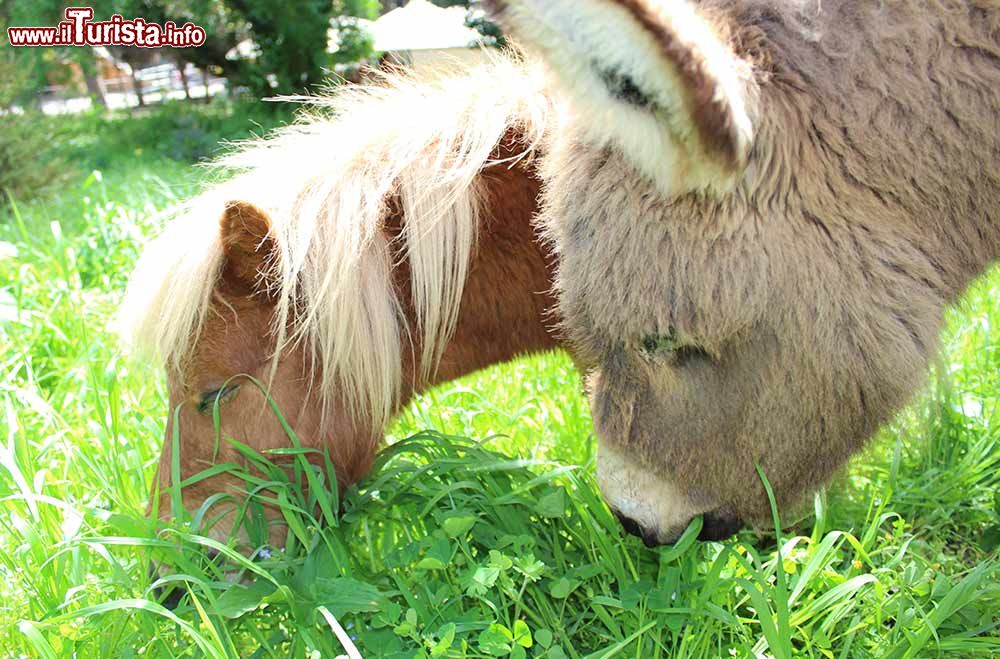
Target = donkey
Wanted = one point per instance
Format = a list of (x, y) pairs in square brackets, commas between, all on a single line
[(381, 245), (761, 209)]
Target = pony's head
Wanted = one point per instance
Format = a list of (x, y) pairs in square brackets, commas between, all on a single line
[(238, 377), (325, 281), (760, 209)]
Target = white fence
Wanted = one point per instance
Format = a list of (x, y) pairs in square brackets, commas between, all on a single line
[(158, 83)]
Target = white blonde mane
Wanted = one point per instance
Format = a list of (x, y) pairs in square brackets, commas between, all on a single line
[(324, 183)]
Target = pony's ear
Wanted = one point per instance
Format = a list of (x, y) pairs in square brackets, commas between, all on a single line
[(635, 66), (248, 249)]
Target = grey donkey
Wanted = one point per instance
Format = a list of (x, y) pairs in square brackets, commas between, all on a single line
[(761, 209)]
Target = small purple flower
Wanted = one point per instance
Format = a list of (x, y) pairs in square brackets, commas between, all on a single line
[(264, 553)]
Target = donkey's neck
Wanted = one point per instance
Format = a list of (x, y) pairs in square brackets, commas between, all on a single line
[(901, 101)]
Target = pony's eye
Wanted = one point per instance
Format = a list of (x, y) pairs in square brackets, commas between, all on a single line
[(222, 395), (624, 88)]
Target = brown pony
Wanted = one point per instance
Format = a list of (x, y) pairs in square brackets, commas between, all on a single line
[(380, 246), (761, 209)]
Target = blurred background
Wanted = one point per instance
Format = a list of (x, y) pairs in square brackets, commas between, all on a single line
[(187, 100)]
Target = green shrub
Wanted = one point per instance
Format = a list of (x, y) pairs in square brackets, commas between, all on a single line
[(29, 164)]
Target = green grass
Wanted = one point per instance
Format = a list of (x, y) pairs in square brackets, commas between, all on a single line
[(498, 545)]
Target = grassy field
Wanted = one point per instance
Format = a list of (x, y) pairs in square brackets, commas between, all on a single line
[(481, 532)]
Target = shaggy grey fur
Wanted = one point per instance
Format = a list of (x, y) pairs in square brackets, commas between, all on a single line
[(810, 296)]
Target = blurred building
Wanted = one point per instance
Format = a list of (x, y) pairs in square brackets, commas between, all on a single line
[(426, 37)]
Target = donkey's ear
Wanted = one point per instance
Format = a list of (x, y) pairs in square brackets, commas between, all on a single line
[(653, 76), (248, 249)]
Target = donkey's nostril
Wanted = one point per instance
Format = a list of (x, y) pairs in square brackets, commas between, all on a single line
[(651, 539), (630, 525), (718, 525)]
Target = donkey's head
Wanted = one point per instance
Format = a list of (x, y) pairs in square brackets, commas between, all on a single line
[(757, 208)]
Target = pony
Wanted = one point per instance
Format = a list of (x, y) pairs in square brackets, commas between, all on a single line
[(380, 245), (760, 210)]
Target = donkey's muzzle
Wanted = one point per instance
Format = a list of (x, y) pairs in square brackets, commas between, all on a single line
[(716, 526)]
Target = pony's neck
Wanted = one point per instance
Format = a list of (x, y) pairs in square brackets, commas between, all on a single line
[(505, 310)]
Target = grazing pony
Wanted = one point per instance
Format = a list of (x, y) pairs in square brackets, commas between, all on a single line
[(761, 209), (379, 246)]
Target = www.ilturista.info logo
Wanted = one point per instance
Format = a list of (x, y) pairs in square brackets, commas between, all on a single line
[(79, 30)]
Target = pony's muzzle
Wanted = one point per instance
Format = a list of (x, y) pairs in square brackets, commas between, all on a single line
[(170, 594), (167, 595)]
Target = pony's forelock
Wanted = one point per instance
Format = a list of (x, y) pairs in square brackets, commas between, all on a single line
[(325, 183)]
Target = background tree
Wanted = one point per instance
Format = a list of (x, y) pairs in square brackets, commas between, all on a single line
[(291, 41), (28, 164), (41, 67), (224, 28)]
